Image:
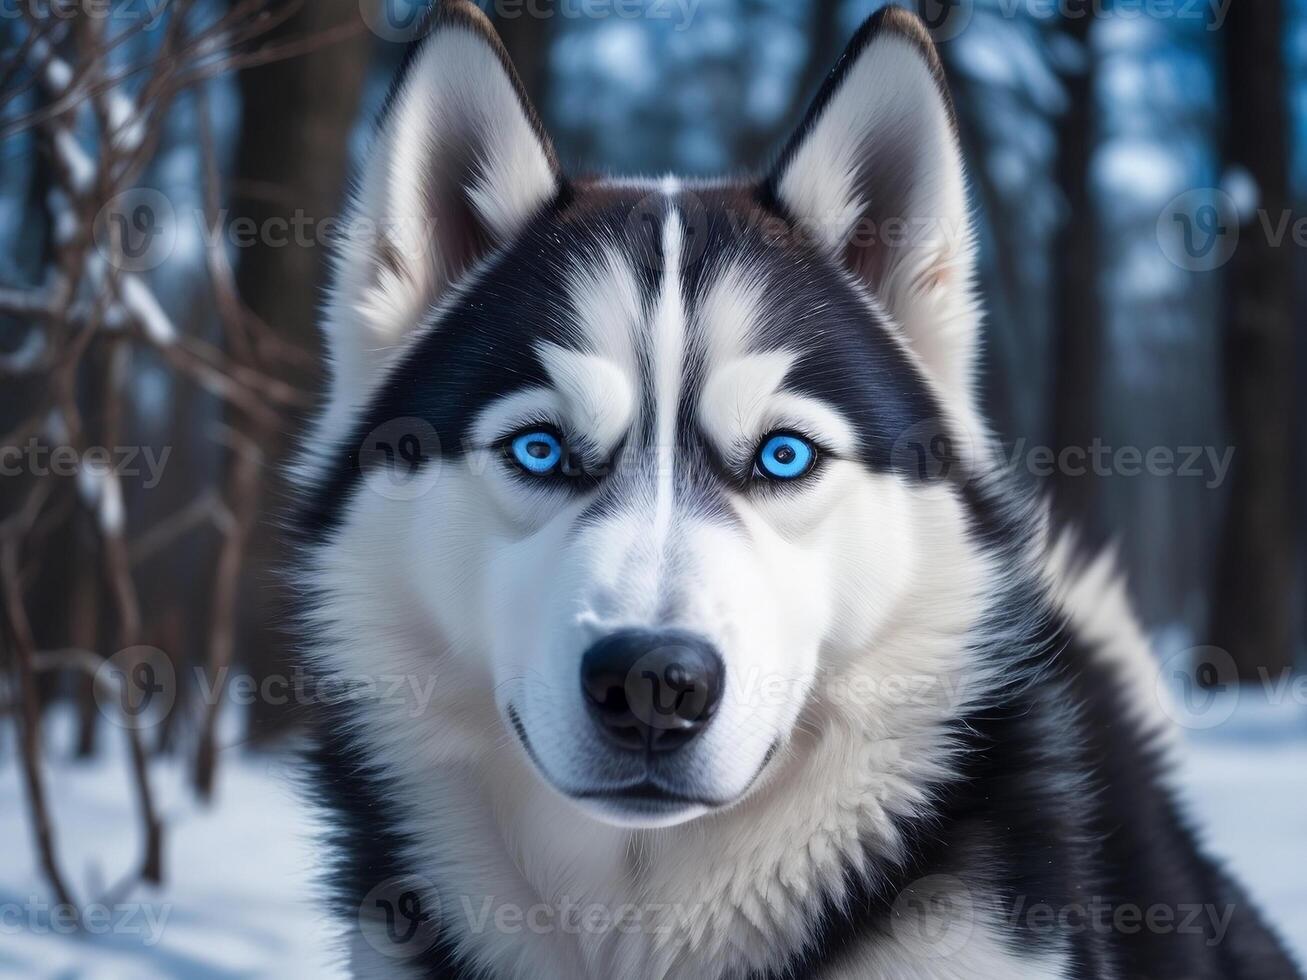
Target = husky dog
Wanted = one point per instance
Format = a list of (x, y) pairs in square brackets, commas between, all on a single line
[(682, 623)]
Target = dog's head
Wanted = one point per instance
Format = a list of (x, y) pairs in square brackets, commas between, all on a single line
[(637, 464)]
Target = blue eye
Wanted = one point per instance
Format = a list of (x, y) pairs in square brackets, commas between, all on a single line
[(786, 457), (538, 451)]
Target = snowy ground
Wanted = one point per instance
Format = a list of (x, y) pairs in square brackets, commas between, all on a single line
[(238, 874), (237, 877), (1246, 783)]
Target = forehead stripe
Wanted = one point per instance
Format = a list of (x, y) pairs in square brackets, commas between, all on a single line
[(668, 355)]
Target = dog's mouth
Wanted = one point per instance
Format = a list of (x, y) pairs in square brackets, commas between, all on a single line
[(647, 795), (646, 792)]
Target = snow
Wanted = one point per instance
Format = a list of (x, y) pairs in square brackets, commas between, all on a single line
[(239, 895), (140, 300), (237, 901), (1246, 783), (58, 73), (77, 162)]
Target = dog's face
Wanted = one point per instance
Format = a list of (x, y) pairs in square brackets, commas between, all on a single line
[(646, 455)]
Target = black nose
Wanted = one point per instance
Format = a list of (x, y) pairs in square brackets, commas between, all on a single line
[(652, 690)]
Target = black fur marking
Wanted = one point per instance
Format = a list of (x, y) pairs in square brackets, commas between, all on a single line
[(366, 845)]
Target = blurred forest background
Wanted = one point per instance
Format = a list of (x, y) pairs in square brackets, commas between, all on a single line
[(169, 168)]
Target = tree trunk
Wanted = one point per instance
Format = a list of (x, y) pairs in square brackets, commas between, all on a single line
[(1252, 608), (528, 35), (1078, 317), (826, 40), (292, 161)]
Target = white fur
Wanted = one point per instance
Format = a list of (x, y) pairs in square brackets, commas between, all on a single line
[(598, 395), (605, 299), (743, 400), (668, 361)]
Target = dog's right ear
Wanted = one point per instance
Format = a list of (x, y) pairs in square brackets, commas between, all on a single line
[(874, 174), (459, 164)]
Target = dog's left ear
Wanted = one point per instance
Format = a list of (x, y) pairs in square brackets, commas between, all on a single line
[(874, 174)]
